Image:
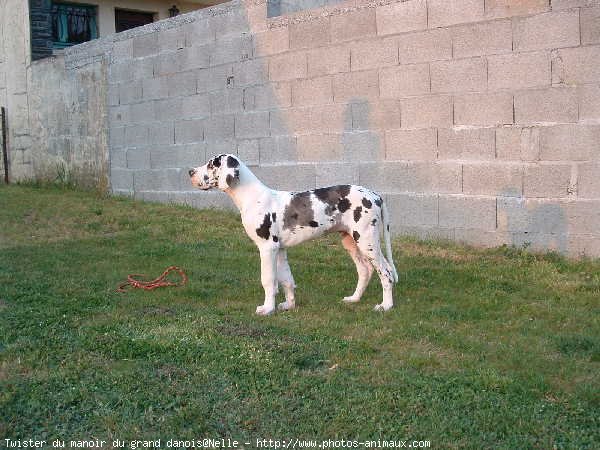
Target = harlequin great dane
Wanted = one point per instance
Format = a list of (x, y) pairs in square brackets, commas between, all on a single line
[(276, 220)]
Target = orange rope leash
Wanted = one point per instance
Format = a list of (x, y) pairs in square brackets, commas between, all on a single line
[(153, 284)]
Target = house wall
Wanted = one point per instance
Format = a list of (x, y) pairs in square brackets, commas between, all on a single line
[(478, 120)]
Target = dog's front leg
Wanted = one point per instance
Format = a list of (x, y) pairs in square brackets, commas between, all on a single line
[(268, 277)]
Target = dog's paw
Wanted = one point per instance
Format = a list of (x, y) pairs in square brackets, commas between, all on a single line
[(382, 307), (261, 310), (351, 299), (285, 306)]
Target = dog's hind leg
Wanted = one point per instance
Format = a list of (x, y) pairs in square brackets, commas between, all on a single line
[(285, 279), (363, 268)]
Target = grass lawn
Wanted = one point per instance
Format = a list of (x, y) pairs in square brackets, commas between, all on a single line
[(484, 348)]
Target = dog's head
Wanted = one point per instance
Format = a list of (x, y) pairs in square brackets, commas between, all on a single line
[(222, 172)]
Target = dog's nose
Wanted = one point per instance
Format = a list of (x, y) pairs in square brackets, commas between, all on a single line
[(192, 172)]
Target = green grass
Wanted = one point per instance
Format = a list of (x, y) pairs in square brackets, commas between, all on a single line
[(484, 349)]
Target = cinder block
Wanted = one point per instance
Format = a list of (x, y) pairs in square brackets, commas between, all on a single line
[(353, 25), (412, 177), (277, 149), (315, 119), (112, 94), (589, 102), (219, 128), (518, 144), (443, 13), (121, 72), (590, 26), (287, 66), (426, 112), (424, 233), (481, 238), (281, 122), (314, 91), (583, 216), (177, 156), (119, 116), (231, 50), (466, 144), (401, 17), (118, 157), (568, 4), (138, 158), (198, 32), (226, 101), (158, 180), (183, 83), (546, 105), (319, 147), (372, 54), (187, 131), (519, 71), (363, 146), (532, 215), (145, 45), (328, 60), (546, 31), (171, 39), (252, 125), (136, 135), (271, 42), (195, 106), (508, 8), (482, 39), (162, 133), (195, 57), (233, 23), (155, 88), (116, 137), (121, 179), (130, 92), (459, 211), (312, 33), (355, 85), (413, 210), (570, 143), (381, 115), (414, 145), (459, 75), (210, 200), (216, 146), (295, 177), (142, 112), (336, 173), (404, 81), (122, 50), (588, 184), (487, 109), (493, 179), (248, 151), (576, 65), (547, 180), (583, 246), (268, 96), (250, 73), (167, 109), (425, 46)]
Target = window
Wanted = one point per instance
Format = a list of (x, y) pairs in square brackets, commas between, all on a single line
[(125, 20), (73, 24)]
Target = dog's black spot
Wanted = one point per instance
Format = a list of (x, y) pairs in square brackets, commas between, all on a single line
[(357, 213), (233, 180), (274, 215), (356, 235), (206, 178), (232, 162), (331, 196), (313, 224), (275, 239), (373, 222), (388, 227), (366, 202), (263, 230), (217, 161), (378, 201), (344, 205), (299, 212)]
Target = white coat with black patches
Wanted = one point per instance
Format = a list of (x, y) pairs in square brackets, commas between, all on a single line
[(276, 220)]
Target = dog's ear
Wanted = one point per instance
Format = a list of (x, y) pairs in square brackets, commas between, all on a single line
[(229, 176)]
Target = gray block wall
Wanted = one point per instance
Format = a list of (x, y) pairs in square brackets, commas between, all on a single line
[(478, 120)]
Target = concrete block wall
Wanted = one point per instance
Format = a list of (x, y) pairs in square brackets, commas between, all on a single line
[(478, 119)]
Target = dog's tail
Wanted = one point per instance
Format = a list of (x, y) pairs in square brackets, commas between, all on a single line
[(387, 239)]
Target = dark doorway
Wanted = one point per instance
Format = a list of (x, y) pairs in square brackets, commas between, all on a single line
[(125, 20)]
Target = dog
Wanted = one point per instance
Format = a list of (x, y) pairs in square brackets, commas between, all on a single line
[(276, 220)]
